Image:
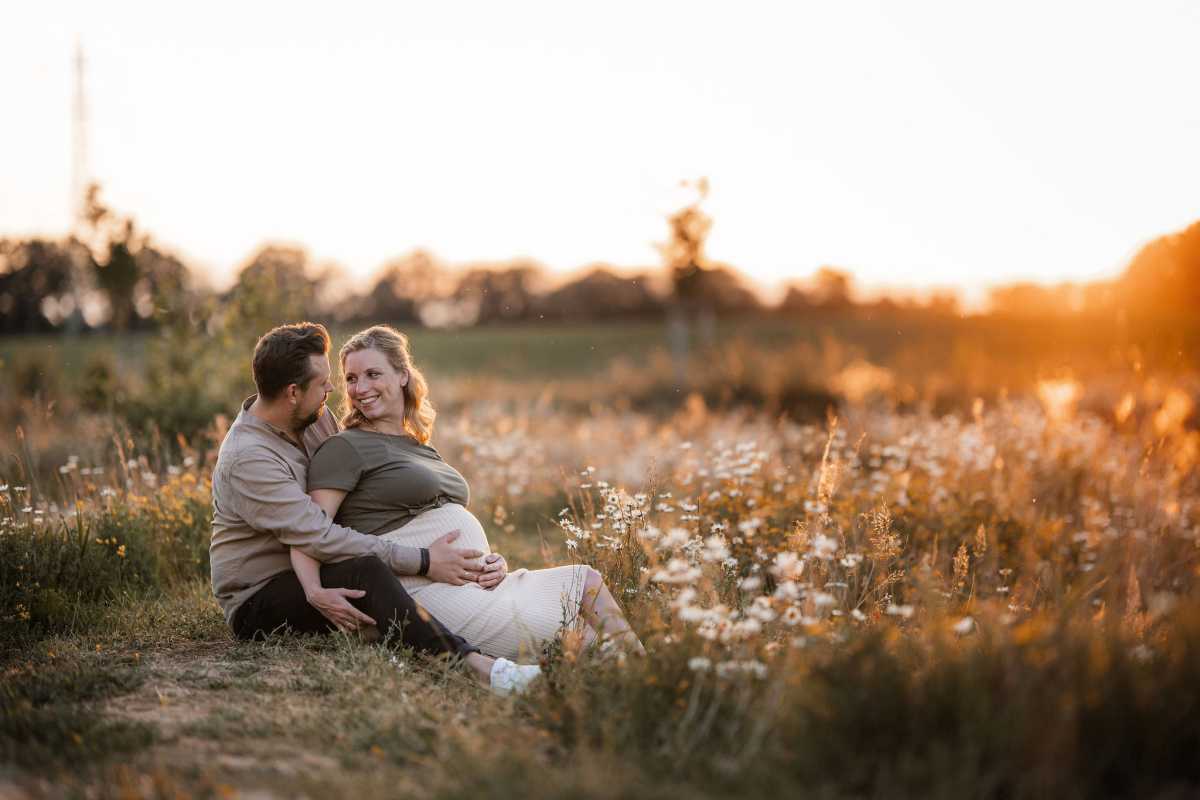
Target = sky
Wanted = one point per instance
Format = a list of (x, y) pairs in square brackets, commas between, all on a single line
[(919, 145)]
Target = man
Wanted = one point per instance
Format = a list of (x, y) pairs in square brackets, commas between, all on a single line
[(261, 510)]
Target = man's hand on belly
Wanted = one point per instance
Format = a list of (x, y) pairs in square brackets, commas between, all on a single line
[(453, 565)]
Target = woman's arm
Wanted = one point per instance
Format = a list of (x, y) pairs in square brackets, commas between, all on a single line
[(330, 500), (307, 568), (332, 603)]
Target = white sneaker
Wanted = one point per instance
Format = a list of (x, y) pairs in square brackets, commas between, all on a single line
[(509, 678)]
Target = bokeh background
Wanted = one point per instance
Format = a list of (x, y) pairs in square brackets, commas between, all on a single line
[(782, 208), (855, 344)]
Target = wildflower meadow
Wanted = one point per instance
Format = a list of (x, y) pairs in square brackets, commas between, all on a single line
[(940, 582)]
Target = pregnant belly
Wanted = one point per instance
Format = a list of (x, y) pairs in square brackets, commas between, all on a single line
[(429, 526)]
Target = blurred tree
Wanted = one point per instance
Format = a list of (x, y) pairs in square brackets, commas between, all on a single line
[(1028, 299), (117, 270), (117, 276), (700, 289), (502, 294), (718, 288), (700, 286), (166, 286), (273, 287), (600, 294), (1164, 276), (683, 253), (797, 299), (111, 275), (36, 284), (832, 288), (1100, 295), (188, 376), (944, 303), (404, 285), (888, 306)]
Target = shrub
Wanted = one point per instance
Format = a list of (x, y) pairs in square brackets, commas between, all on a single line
[(57, 569)]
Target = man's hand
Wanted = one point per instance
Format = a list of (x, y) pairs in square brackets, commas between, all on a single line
[(453, 565), (334, 607), (495, 568)]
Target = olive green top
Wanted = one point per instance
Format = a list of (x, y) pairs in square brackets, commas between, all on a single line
[(390, 479)]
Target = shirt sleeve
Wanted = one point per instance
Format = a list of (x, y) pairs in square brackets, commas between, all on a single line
[(268, 497), (335, 465)]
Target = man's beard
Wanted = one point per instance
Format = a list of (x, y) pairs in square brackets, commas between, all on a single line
[(311, 418)]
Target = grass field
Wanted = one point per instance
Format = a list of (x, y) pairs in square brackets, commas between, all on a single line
[(569, 351), (869, 558)]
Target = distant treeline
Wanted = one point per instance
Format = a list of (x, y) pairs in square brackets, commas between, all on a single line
[(56, 285), (1163, 278), (114, 277)]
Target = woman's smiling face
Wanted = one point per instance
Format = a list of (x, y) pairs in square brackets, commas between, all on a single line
[(374, 386)]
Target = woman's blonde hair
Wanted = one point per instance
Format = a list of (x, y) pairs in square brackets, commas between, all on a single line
[(419, 413)]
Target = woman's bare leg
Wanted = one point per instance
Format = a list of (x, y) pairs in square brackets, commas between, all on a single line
[(481, 665), (587, 635), (604, 616)]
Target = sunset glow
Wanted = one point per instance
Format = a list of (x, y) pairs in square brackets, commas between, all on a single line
[(923, 145)]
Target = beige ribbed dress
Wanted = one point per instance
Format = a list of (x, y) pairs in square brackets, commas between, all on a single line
[(405, 492)]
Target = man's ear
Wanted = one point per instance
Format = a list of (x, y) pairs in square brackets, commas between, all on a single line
[(293, 393)]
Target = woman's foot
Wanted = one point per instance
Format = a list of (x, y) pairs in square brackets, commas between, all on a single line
[(501, 675), (509, 678)]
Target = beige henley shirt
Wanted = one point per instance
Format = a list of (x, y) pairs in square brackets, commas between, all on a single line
[(260, 511)]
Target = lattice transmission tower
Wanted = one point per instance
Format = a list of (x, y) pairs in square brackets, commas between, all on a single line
[(81, 277), (80, 179)]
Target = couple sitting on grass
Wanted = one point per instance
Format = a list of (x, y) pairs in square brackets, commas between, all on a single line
[(317, 528)]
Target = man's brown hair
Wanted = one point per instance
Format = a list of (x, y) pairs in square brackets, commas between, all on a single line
[(281, 357)]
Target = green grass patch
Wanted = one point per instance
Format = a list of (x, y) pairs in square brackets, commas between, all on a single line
[(48, 711)]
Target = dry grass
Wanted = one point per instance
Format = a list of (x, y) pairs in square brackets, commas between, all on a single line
[(999, 602)]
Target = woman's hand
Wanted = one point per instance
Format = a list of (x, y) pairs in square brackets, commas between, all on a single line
[(495, 568), (333, 605)]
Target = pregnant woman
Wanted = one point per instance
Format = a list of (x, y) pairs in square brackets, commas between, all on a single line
[(380, 476)]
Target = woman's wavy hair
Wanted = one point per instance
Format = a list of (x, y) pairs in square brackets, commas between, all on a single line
[(419, 413)]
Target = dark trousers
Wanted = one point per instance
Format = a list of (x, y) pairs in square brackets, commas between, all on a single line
[(281, 604)]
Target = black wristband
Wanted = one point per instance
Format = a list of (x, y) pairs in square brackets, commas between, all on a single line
[(424, 570)]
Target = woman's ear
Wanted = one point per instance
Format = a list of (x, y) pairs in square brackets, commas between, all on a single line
[(404, 376)]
